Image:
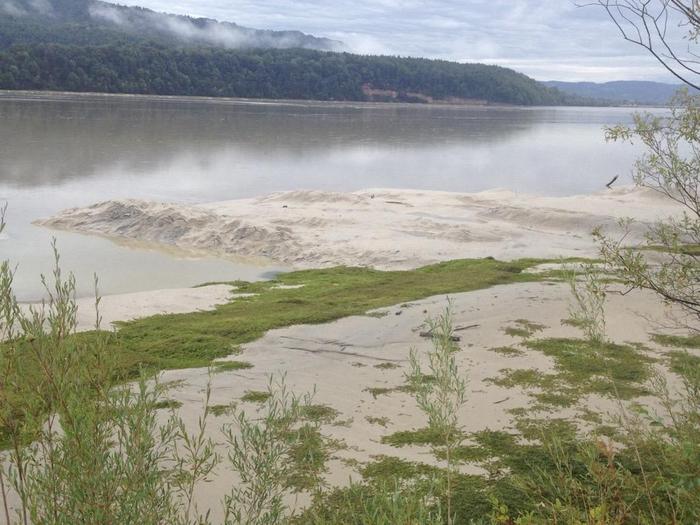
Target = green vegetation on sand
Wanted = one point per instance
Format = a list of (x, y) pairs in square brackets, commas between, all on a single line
[(199, 339), (196, 339)]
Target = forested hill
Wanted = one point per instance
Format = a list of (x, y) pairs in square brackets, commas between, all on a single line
[(271, 73), (92, 46), (93, 22)]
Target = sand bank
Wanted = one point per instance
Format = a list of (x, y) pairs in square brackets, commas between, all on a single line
[(130, 306), (385, 229), (342, 359)]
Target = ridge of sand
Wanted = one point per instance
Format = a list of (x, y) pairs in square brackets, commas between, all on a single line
[(382, 228)]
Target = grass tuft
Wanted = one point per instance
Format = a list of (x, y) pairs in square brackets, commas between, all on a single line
[(523, 329), (387, 366), (508, 351), (582, 368), (255, 396), (692, 341), (230, 366), (221, 410), (168, 404), (381, 421), (424, 436), (319, 413)]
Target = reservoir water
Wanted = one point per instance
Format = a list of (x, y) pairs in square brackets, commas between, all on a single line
[(60, 151)]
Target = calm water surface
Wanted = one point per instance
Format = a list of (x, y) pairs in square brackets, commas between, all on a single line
[(64, 151)]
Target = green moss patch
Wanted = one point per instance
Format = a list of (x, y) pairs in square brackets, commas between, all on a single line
[(508, 351), (403, 389), (255, 396), (472, 500), (387, 366), (381, 421), (523, 329), (379, 391), (576, 323), (196, 339), (683, 249), (686, 365), (319, 413), (220, 410), (168, 404), (581, 368), (308, 455), (608, 369), (692, 341), (424, 436), (230, 366), (507, 458)]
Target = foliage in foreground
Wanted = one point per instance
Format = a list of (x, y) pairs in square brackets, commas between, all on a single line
[(647, 472), (670, 168), (84, 451), (441, 398)]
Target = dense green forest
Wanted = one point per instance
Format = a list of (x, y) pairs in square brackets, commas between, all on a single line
[(93, 46), (268, 73)]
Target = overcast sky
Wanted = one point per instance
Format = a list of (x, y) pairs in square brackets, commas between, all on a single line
[(546, 39)]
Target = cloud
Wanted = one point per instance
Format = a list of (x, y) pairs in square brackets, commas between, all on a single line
[(225, 35), (10, 8), (107, 13), (41, 6), (550, 39)]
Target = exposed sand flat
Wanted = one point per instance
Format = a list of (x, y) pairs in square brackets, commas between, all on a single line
[(340, 360), (127, 307), (385, 229), (130, 306)]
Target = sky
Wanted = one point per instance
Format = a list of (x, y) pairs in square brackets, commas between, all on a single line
[(545, 39)]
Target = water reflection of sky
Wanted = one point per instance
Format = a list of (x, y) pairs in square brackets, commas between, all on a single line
[(55, 155)]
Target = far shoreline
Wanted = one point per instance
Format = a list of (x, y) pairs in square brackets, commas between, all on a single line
[(78, 96)]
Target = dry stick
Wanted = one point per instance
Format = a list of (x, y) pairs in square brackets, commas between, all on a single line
[(22, 481), (449, 485), (430, 335), (463, 328)]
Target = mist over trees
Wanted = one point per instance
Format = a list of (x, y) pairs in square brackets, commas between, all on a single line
[(92, 46), (92, 22)]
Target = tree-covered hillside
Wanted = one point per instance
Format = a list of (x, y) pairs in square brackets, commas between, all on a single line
[(89, 45), (93, 22), (295, 73)]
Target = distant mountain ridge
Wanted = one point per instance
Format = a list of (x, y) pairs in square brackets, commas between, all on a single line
[(93, 22), (628, 92)]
